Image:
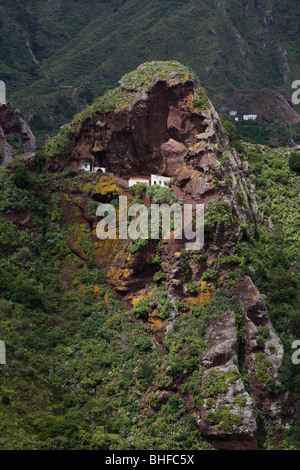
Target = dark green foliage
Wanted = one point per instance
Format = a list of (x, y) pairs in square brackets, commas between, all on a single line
[(294, 162), (21, 178), (141, 312), (16, 143), (144, 344), (67, 58), (138, 190), (217, 212), (58, 426), (158, 277), (233, 135), (5, 400), (202, 101), (157, 300), (272, 259), (160, 195)]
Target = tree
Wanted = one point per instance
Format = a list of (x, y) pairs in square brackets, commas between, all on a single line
[(294, 162), (21, 177)]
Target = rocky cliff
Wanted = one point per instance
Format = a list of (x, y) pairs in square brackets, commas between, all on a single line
[(160, 121), (15, 135), (241, 44)]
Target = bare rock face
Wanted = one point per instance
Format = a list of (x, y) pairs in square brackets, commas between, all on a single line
[(163, 124), (13, 125), (222, 339), (267, 104), (139, 138), (280, 56), (264, 350), (227, 418)]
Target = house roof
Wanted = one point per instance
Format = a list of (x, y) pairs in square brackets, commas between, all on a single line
[(140, 178)]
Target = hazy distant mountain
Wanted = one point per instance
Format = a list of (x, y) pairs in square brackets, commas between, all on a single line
[(57, 56)]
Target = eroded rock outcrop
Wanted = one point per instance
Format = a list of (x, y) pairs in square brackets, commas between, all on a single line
[(227, 417), (264, 350), (13, 126), (163, 123)]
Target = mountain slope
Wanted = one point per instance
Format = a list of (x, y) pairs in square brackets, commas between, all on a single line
[(229, 44), (128, 345)]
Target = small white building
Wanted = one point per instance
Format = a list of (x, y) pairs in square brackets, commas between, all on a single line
[(87, 166), (232, 113), (163, 181), (138, 179), (99, 169), (249, 117)]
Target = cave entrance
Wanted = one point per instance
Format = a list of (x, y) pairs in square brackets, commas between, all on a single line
[(101, 160)]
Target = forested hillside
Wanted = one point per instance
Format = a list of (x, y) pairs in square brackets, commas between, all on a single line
[(95, 359), (57, 56)]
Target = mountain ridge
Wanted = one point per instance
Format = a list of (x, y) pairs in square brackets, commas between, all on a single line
[(92, 44)]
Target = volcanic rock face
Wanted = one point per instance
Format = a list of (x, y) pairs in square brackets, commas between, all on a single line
[(165, 126), (227, 417), (12, 125), (267, 105), (262, 355), (151, 135), (162, 127)]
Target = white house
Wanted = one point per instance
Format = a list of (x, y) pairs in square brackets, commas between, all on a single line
[(2, 92), (137, 179), (87, 166), (163, 181), (99, 169), (249, 117), (232, 113)]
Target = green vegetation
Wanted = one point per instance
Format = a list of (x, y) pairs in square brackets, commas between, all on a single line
[(262, 367), (271, 258), (263, 334), (224, 418), (218, 382), (201, 102), (80, 367), (59, 144), (157, 300), (138, 190), (161, 195), (72, 380), (16, 144), (111, 101), (142, 77), (217, 212), (87, 46), (294, 161)]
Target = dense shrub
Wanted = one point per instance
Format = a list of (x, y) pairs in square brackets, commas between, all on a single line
[(294, 161), (21, 178)]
